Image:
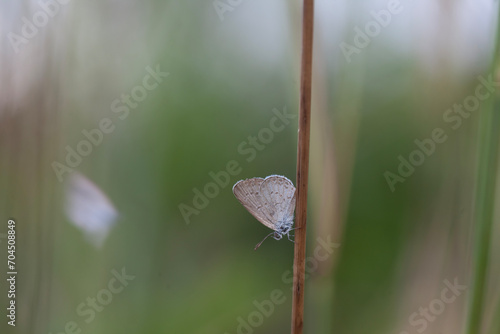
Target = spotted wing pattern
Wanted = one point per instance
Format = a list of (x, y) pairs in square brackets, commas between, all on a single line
[(248, 192), (279, 197), (269, 200)]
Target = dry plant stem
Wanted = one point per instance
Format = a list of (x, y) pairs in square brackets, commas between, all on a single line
[(302, 167)]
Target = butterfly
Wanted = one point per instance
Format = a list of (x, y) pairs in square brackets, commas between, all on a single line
[(271, 201), (89, 209)]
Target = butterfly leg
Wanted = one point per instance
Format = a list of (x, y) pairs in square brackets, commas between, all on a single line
[(295, 228)]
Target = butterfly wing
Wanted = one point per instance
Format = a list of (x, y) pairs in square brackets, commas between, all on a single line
[(291, 206), (279, 197), (89, 209), (248, 192)]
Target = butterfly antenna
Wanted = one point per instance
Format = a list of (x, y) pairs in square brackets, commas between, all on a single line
[(260, 243)]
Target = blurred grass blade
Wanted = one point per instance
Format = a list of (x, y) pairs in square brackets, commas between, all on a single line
[(489, 137)]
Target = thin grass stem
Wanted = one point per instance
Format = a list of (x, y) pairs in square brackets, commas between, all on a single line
[(302, 167)]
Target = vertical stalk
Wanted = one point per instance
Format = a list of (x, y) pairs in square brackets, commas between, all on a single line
[(302, 167), (489, 138)]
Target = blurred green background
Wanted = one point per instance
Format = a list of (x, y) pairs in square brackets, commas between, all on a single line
[(376, 254)]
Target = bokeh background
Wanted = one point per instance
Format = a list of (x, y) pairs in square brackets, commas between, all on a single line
[(377, 255)]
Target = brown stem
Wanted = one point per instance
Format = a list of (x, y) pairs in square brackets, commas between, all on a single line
[(302, 167)]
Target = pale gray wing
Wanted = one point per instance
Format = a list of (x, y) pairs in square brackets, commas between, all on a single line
[(291, 206), (279, 197), (249, 194)]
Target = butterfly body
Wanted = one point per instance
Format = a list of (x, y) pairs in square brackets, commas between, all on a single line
[(271, 201)]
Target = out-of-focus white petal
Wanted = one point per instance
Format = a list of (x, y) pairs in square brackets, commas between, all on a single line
[(89, 209)]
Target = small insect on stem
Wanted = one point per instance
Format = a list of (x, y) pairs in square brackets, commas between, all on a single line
[(271, 201)]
